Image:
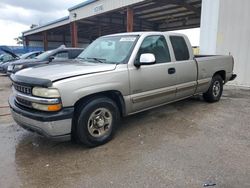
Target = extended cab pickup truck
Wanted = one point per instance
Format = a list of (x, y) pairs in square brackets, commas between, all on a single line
[(117, 75)]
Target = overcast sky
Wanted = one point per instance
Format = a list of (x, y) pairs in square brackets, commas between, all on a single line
[(18, 15)]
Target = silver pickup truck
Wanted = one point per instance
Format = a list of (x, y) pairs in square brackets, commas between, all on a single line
[(116, 76)]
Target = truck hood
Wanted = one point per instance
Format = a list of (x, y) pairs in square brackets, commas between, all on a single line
[(62, 70)]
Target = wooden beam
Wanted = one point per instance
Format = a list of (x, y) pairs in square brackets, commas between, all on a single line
[(160, 7), (179, 27), (136, 19), (45, 41), (189, 7), (155, 10), (181, 18), (170, 16), (130, 19), (74, 34)]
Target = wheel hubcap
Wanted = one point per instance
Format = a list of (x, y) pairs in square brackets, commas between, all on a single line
[(100, 122), (216, 88)]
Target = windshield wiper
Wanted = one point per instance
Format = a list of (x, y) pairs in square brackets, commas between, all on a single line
[(100, 60), (81, 58)]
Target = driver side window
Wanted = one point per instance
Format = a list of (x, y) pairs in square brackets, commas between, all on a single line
[(156, 45)]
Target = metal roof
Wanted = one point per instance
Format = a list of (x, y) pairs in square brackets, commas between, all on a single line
[(158, 15), (58, 21), (149, 15), (86, 2), (145, 33)]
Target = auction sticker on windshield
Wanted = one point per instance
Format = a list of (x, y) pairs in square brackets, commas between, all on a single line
[(127, 39)]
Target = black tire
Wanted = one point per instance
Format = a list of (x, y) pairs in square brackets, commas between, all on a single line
[(87, 115), (215, 90)]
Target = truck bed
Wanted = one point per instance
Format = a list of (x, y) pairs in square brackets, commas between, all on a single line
[(209, 64)]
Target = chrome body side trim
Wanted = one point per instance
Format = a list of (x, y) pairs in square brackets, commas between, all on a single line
[(156, 94), (204, 81), (186, 86), (203, 85), (156, 106)]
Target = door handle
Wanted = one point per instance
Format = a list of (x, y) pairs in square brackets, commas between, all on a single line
[(171, 70)]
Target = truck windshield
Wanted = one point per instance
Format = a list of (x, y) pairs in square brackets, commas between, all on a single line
[(111, 49)]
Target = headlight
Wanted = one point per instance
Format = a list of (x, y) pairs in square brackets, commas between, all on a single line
[(18, 66), (44, 107), (45, 92)]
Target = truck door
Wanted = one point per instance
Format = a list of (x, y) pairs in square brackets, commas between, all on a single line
[(186, 69), (152, 85)]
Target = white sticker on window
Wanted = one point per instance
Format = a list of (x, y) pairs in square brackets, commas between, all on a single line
[(127, 39)]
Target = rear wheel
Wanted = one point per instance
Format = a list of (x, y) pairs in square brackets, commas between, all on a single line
[(96, 122), (215, 90)]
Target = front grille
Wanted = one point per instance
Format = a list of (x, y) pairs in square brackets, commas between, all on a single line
[(23, 102), (23, 89)]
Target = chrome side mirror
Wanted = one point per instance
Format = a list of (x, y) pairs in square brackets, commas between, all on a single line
[(147, 59)]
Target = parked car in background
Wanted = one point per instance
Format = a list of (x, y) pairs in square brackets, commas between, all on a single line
[(29, 55), (117, 75), (60, 54), (7, 55)]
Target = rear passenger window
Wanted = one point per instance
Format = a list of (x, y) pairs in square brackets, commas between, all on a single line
[(156, 45), (180, 48)]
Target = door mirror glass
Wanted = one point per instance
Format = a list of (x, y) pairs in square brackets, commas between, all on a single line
[(147, 59)]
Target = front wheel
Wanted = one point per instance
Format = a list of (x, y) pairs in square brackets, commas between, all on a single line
[(215, 90), (96, 121)]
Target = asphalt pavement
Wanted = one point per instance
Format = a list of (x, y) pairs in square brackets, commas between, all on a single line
[(186, 144)]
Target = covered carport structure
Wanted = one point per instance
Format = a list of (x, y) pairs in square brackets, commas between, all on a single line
[(94, 18)]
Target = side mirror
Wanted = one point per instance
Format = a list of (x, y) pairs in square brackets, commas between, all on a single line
[(51, 58), (146, 59)]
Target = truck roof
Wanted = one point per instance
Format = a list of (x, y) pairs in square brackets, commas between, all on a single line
[(147, 32)]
